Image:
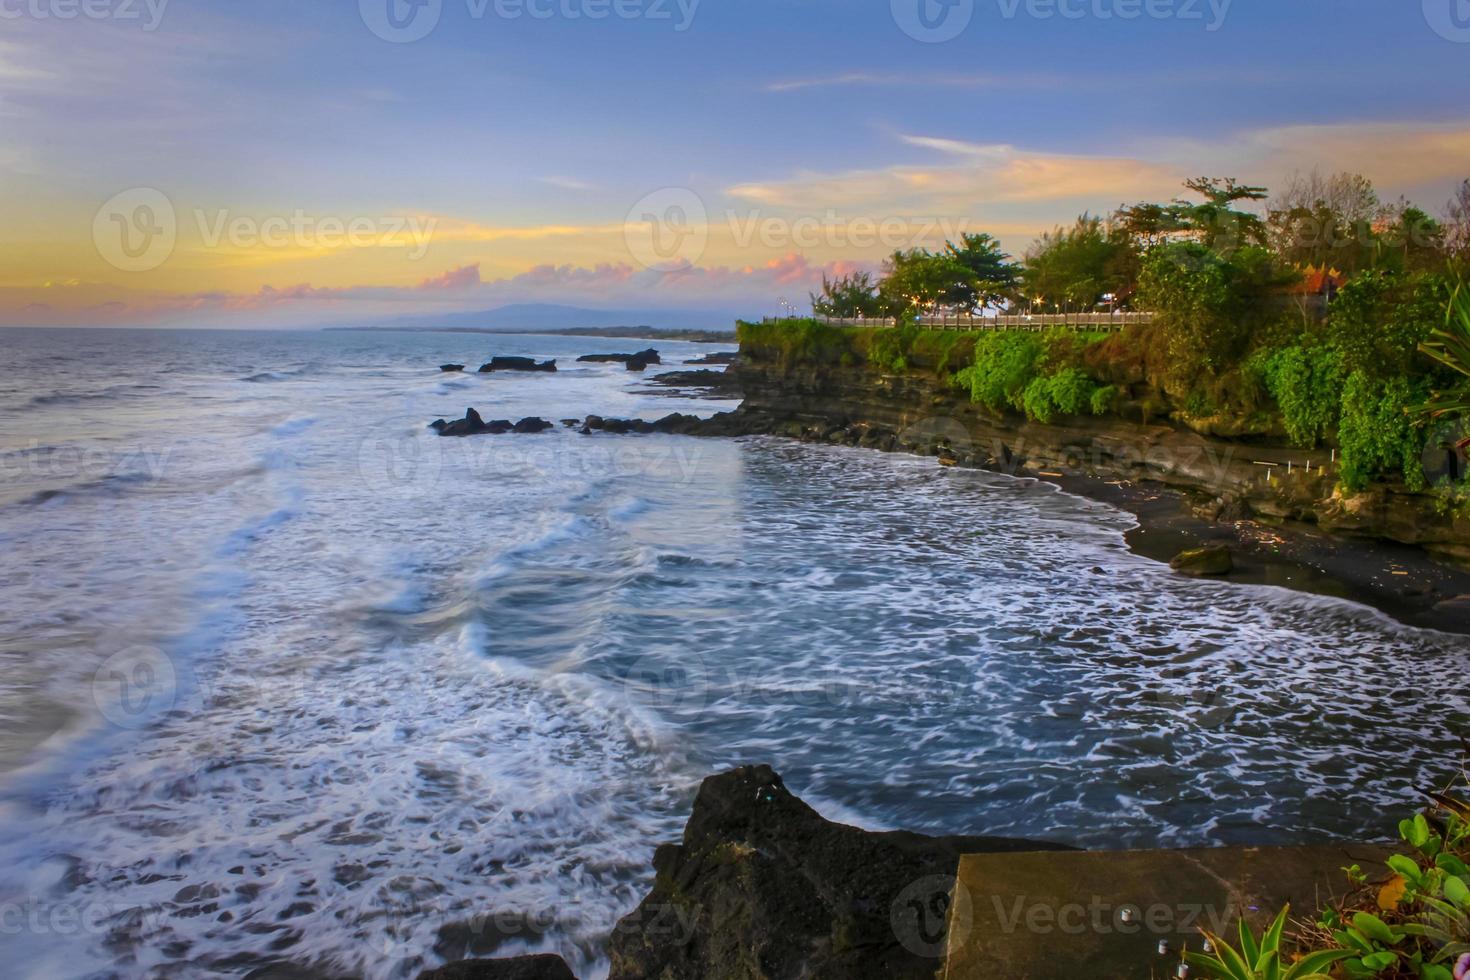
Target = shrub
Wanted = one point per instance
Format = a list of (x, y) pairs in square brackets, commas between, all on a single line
[(1377, 433), (1307, 385)]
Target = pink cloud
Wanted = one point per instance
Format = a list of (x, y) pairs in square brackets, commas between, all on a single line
[(465, 277)]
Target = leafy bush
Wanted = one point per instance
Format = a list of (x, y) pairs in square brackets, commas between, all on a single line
[(1379, 319), (1030, 373), (1378, 434), (1307, 385), (1413, 925), (1005, 363)]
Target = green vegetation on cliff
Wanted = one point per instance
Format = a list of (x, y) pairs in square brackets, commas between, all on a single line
[(1248, 339)]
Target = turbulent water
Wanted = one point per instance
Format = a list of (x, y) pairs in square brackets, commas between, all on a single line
[(284, 676)]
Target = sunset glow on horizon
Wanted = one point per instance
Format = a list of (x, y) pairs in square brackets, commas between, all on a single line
[(299, 169)]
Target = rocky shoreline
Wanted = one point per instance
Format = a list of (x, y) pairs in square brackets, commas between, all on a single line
[(1275, 508), (762, 886)]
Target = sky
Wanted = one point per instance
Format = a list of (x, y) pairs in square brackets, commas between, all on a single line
[(243, 163)]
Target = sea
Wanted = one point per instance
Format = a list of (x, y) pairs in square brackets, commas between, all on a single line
[(285, 677)]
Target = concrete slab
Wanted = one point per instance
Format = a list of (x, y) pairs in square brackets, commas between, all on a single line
[(1102, 915)]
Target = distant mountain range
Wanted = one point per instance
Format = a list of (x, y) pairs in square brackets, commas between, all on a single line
[(550, 316)]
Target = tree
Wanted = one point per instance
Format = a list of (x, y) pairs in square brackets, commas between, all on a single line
[(1326, 222), (991, 276), (1457, 224), (1075, 268), (852, 295), (1214, 223), (920, 280)]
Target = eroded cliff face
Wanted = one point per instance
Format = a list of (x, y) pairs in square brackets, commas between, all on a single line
[(1223, 478)]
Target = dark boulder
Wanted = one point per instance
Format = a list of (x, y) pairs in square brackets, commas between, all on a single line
[(470, 425), (473, 425), (645, 357), (451, 368), (543, 967), (516, 364), (723, 357), (1212, 560), (763, 887)]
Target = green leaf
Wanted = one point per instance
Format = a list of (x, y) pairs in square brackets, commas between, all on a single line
[(1381, 960), (1374, 928), (1451, 864), (1249, 951), (1433, 971), (1456, 891), (1316, 963), (1406, 867), (1271, 941)]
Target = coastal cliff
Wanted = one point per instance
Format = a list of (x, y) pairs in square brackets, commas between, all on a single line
[(918, 410), (1191, 482)]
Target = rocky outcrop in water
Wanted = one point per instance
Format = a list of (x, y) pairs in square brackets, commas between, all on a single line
[(473, 425), (451, 368), (720, 384), (762, 886), (642, 358), (721, 357), (517, 364)]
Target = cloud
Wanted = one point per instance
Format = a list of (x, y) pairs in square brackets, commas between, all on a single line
[(566, 183), (967, 176), (464, 277), (930, 80)]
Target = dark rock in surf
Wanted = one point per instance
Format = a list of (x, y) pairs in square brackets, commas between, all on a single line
[(646, 357), (473, 425), (763, 887), (517, 364), (470, 425), (542, 967), (451, 368), (723, 357)]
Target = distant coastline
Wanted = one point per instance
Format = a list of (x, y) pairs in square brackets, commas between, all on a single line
[(632, 333)]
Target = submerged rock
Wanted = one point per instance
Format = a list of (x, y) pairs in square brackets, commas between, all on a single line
[(516, 364), (542, 967), (451, 368), (1212, 560), (763, 887)]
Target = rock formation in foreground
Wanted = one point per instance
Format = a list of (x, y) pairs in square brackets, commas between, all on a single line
[(763, 887)]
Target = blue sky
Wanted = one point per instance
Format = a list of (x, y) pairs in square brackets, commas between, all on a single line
[(527, 141)]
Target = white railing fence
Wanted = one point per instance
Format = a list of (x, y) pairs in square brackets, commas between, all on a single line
[(1102, 322)]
